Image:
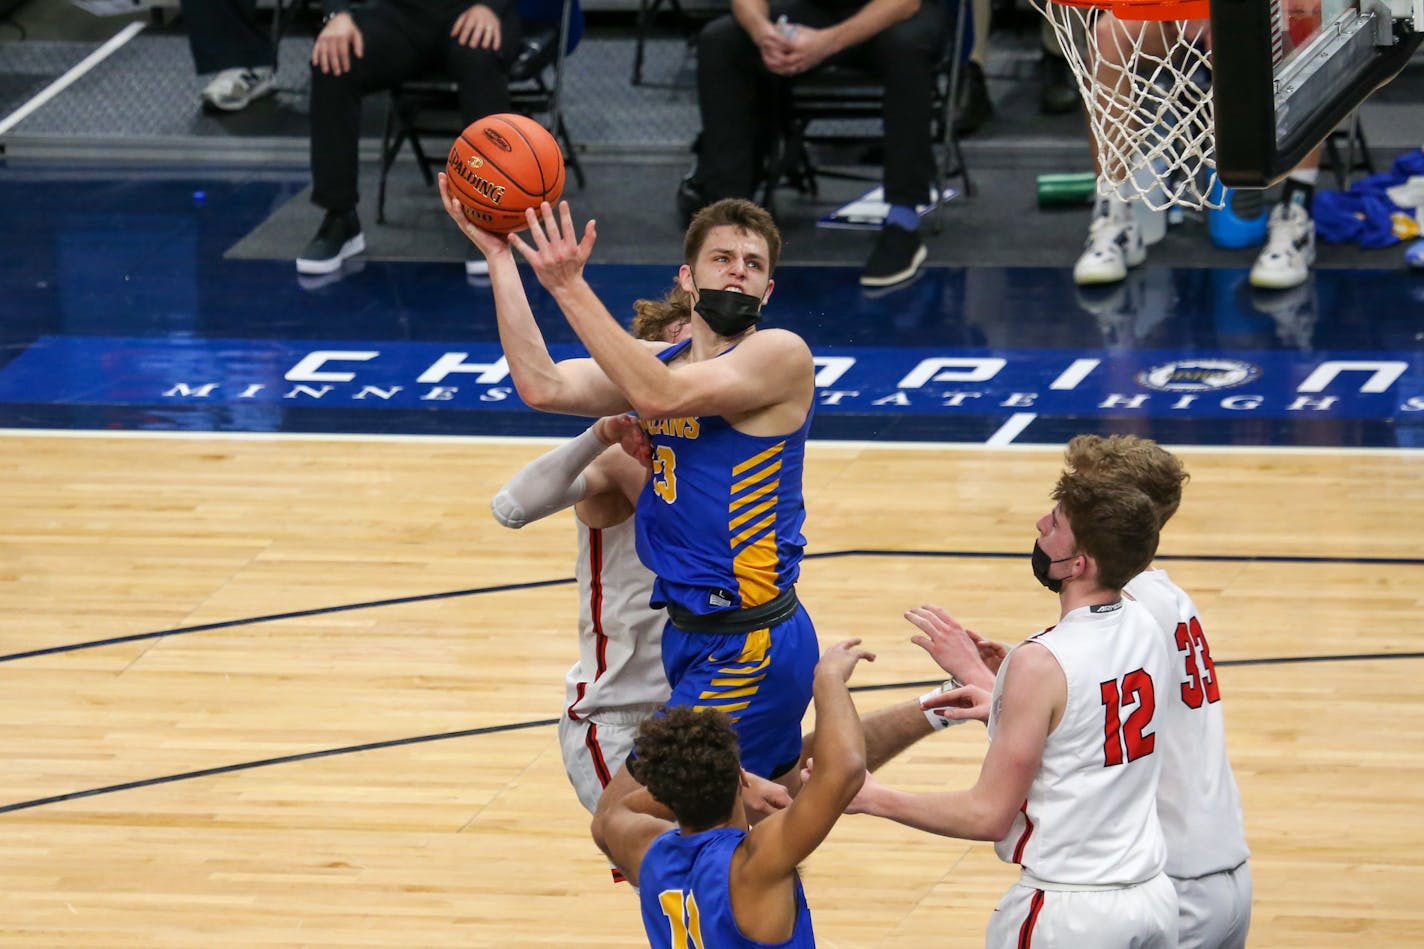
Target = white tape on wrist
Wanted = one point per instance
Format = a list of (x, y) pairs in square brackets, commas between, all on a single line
[(937, 721)]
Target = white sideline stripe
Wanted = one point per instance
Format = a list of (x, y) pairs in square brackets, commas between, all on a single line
[(1011, 429), (71, 77), (817, 445), (1075, 373)]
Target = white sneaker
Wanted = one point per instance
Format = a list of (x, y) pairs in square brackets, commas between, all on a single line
[(235, 89), (1114, 244), (1290, 249)]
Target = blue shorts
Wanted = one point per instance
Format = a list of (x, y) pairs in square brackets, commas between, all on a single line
[(761, 679)]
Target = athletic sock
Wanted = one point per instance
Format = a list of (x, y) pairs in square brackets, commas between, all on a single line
[(903, 216)]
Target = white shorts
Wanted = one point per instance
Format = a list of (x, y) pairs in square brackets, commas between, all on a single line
[(1214, 911), (594, 751), (1128, 917)]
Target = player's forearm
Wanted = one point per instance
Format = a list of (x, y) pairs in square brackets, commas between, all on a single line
[(949, 814), (643, 379), (549, 483), (536, 376), (890, 731), (839, 743)]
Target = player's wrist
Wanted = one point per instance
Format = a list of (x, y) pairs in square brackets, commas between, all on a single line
[(938, 721)]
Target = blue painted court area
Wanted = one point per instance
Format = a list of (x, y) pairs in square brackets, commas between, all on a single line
[(120, 311)]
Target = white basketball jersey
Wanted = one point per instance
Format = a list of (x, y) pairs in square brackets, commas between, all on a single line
[(1197, 801), (1090, 817), (620, 637)]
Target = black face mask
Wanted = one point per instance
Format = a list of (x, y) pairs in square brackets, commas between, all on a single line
[(728, 312), (1041, 563)]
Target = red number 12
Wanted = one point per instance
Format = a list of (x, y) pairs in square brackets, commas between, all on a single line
[(1118, 735)]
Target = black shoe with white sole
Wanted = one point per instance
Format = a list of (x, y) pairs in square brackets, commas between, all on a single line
[(338, 238), (896, 258)]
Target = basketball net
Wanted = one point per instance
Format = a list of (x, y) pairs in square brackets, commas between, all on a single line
[(1145, 82)]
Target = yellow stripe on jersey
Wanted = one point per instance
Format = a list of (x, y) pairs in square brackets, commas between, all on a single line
[(753, 498), (753, 502), (747, 692), (757, 459), (755, 569), (739, 486), (738, 680), (749, 533), (729, 709), (743, 678)]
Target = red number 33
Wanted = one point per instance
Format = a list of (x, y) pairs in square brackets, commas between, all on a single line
[(1201, 671), (1124, 740)]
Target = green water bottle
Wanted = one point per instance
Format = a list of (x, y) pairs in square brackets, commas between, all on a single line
[(1074, 189)]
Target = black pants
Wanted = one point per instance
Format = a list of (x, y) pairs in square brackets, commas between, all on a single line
[(403, 40), (739, 98), (225, 34)]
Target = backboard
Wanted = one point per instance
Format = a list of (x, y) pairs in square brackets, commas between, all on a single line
[(1285, 73)]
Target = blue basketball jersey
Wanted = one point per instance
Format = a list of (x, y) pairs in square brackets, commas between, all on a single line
[(719, 522), (683, 886)]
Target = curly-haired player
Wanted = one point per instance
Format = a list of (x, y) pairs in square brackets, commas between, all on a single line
[(705, 878)]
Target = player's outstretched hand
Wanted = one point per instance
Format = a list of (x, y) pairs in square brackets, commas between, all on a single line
[(624, 431), (491, 245), (862, 802), (962, 704), (762, 797), (840, 659), (991, 651), (558, 254), (949, 644)]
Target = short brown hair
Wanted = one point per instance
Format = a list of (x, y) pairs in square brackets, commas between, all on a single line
[(1112, 521), (651, 318), (1141, 462), (689, 760), (740, 213)]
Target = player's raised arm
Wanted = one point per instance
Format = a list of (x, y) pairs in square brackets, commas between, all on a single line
[(781, 841), (1034, 694), (571, 387)]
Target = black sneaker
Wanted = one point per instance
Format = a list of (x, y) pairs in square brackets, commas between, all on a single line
[(974, 106), (896, 258), (1059, 93), (338, 238), (691, 193)]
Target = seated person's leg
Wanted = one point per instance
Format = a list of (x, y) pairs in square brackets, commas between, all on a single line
[(338, 86), (482, 74), (734, 91), (904, 56), (225, 38), (1115, 242), (1289, 253)]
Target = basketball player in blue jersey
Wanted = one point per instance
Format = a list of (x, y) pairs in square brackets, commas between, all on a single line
[(727, 413), (705, 877)]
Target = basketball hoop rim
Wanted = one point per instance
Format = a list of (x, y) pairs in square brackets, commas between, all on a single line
[(1152, 10)]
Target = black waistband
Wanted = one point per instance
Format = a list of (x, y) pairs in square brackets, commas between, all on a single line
[(734, 622)]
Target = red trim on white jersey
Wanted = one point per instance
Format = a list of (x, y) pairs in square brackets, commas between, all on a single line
[(595, 751), (1027, 832), (1035, 906)]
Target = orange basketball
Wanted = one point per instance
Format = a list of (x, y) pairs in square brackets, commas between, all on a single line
[(501, 165)]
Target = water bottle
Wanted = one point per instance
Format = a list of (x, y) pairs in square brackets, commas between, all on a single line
[(1241, 220)]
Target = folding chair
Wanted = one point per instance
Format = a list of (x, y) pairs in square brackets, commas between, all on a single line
[(848, 93), (429, 105)]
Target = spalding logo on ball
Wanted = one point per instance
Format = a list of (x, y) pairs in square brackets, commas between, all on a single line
[(501, 165)]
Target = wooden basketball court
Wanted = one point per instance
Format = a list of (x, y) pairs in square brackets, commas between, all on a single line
[(345, 737)]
